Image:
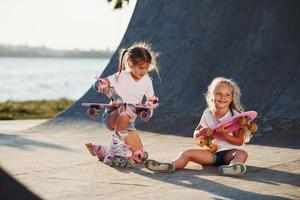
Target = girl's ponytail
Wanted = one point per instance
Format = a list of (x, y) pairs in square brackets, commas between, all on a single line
[(121, 65)]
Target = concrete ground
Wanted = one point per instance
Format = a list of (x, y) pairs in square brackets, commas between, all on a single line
[(58, 166)]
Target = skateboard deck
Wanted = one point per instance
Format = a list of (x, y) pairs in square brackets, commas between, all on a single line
[(145, 112), (243, 120), (99, 105), (107, 105)]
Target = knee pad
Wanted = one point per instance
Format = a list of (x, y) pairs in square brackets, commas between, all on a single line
[(129, 110), (140, 155)]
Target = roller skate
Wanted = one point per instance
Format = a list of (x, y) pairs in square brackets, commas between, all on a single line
[(140, 156), (119, 154), (98, 150)]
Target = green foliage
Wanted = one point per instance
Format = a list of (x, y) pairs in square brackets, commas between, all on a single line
[(32, 109), (118, 3)]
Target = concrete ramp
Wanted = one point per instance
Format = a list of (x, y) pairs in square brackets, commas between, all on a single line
[(255, 42)]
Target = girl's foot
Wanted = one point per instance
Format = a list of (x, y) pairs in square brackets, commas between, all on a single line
[(232, 170), (158, 166)]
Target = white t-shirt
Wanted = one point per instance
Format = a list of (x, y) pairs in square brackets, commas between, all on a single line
[(130, 90), (208, 120)]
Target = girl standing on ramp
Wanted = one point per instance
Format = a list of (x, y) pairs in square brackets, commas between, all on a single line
[(126, 90), (223, 101)]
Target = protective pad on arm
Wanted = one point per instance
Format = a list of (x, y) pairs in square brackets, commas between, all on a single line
[(100, 85), (152, 102)]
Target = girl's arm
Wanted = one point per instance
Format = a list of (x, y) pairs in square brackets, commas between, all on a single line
[(152, 101), (201, 130), (236, 139), (197, 131)]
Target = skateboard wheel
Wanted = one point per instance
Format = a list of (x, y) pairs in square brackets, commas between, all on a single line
[(213, 148), (202, 143), (123, 163), (243, 121), (130, 163), (253, 127), (145, 116), (93, 113), (100, 158)]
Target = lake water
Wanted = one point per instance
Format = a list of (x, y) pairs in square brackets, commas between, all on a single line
[(47, 78)]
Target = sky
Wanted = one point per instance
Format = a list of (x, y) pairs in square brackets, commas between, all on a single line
[(64, 24)]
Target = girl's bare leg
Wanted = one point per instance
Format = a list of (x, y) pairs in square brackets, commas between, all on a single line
[(117, 122), (133, 140), (195, 155), (236, 156), (236, 160), (113, 118), (200, 156), (120, 123)]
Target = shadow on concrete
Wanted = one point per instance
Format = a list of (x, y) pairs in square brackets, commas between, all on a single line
[(12, 189), (271, 176), (23, 143), (195, 179)]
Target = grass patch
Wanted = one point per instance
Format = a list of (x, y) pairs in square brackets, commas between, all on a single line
[(11, 110)]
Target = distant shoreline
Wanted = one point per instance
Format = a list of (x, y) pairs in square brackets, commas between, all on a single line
[(54, 57), (44, 52)]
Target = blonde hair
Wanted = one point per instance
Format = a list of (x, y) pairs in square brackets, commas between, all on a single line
[(137, 53), (235, 104), (236, 96)]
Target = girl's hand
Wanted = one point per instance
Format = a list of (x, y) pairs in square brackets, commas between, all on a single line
[(208, 131), (237, 138), (223, 131), (205, 131)]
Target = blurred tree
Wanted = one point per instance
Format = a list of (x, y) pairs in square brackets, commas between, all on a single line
[(118, 3)]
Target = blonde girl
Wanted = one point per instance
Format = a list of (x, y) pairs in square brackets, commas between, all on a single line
[(223, 101)]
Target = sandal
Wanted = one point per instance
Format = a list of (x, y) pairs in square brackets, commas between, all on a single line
[(159, 167), (232, 170)]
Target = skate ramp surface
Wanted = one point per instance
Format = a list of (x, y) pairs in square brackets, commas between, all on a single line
[(256, 43), (58, 166)]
